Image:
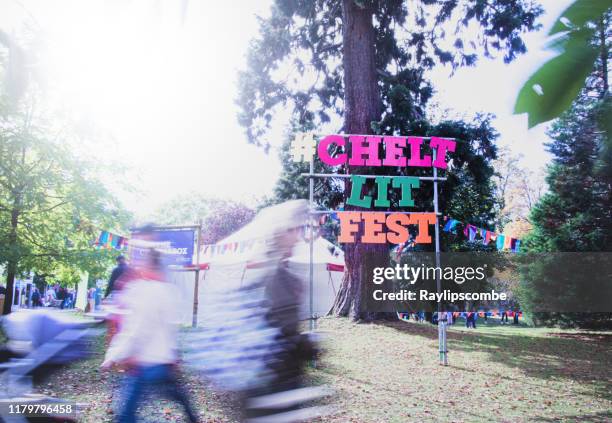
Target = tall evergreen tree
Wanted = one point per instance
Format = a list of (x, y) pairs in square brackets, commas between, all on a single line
[(365, 60), (575, 215)]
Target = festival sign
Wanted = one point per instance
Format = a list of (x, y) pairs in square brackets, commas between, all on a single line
[(365, 150), (177, 245), (180, 246)]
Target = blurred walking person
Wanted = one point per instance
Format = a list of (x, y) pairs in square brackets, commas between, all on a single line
[(146, 343), (118, 278), (449, 318), (91, 300), (115, 275), (470, 320), (36, 300), (251, 342)]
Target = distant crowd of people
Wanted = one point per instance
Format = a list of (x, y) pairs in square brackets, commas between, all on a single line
[(54, 296), (471, 317)]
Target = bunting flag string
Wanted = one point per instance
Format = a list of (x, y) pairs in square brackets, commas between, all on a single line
[(451, 225), (470, 232), (247, 245), (212, 250), (502, 241), (109, 240)]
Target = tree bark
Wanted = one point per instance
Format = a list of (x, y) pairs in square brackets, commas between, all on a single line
[(604, 55), (11, 268), (362, 105), (10, 283)]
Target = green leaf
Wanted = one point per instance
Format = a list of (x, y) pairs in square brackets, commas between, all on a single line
[(560, 80), (579, 13)]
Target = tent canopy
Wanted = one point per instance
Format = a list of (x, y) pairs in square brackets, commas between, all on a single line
[(233, 261), (249, 243), (324, 252)]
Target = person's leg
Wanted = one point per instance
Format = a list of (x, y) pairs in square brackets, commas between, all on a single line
[(176, 392), (132, 390)]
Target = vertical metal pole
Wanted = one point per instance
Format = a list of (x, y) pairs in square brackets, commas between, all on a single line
[(194, 320), (441, 321), (310, 221)]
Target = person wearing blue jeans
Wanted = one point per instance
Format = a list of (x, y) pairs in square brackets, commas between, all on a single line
[(161, 376), (146, 342)]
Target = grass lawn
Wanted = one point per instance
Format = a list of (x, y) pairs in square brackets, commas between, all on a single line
[(388, 372)]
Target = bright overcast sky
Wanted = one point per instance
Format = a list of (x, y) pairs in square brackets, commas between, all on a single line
[(160, 93)]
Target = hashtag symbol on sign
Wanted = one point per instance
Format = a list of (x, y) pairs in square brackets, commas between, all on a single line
[(303, 147)]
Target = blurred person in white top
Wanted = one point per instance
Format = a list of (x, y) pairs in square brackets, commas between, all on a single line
[(146, 343)]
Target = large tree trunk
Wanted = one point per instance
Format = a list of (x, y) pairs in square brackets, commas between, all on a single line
[(10, 283), (362, 105), (11, 268), (604, 55)]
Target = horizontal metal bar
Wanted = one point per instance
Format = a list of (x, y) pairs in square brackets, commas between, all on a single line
[(368, 211), (344, 175)]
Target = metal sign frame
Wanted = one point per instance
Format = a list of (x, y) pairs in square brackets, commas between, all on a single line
[(442, 345)]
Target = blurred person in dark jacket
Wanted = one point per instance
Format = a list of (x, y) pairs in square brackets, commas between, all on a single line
[(115, 275), (251, 341), (36, 301)]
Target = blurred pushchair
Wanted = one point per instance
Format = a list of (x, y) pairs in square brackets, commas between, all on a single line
[(39, 342)]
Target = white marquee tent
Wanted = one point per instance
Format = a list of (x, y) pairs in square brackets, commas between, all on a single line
[(230, 262)]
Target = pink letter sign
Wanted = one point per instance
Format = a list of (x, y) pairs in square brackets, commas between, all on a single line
[(323, 150)]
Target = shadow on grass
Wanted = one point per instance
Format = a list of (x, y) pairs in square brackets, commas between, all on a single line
[(603, 417), (581, 358)]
